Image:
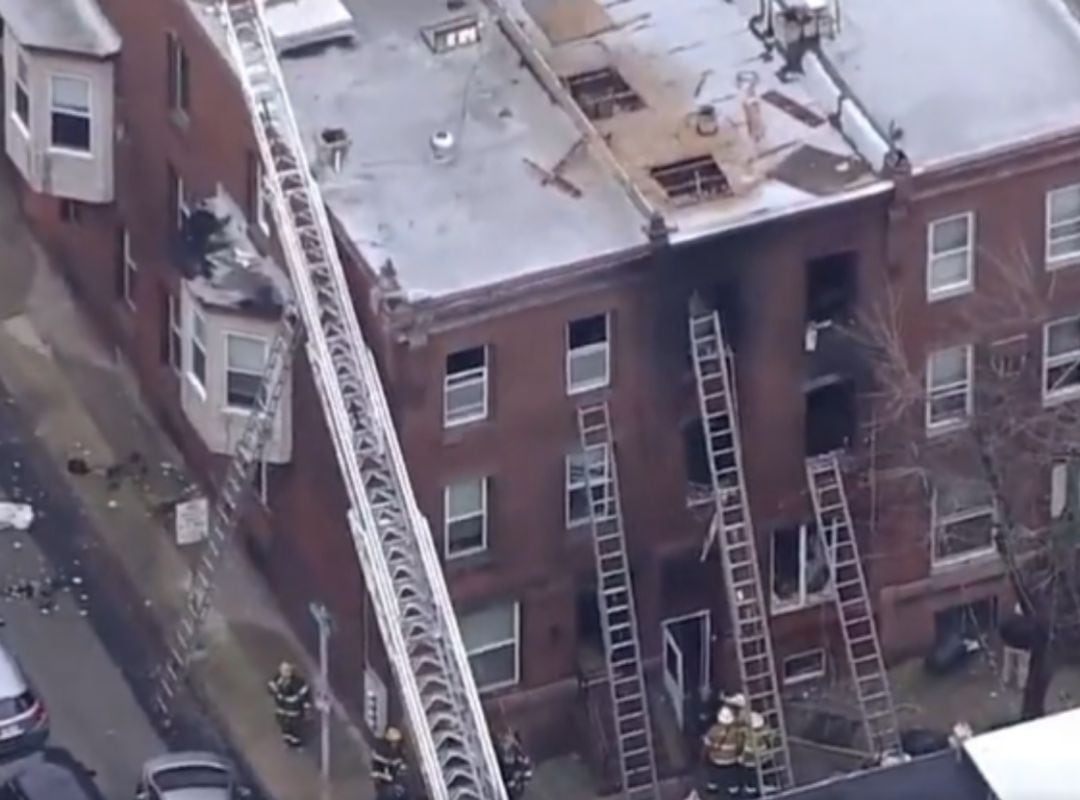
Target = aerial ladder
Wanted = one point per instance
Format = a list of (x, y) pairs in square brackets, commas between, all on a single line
[(853, 606), (738, 550), (453, 748), (618, 616)]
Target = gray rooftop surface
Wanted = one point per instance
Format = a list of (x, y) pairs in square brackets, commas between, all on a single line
[(71, 26), (961, 77)]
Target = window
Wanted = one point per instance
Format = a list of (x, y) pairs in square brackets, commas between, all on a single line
[(129, 270), (197, 369), (692, 180), (578, 485), (452, 35), (491, 640), (71, 211), (177, 202), (22, 92), (1061, 358), (260, 482), (964, 515), (602, 93), (948, 387), (259, 212), (176, 332), (245, 360), (465, 394), (1063, 225), (801, 571), (465, 515), (1064, 488), (949, 256), (178, 75), (587, 354), (69, 109), (803, 667)]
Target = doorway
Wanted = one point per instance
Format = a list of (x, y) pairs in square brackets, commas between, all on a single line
[(686, 663)]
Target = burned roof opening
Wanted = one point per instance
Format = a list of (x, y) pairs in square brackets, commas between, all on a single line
[(602, 93), (692, 180), (463, 31)]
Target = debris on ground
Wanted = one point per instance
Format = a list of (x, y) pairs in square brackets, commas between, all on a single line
[(16, 516), (133, 467)]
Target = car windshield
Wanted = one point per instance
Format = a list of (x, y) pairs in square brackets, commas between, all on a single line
[(14, 706), (192, 777)]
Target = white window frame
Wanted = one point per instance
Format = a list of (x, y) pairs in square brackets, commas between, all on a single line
[(960, 287), (179, 77), (948, 390), (601, 484), (176, 333), (197, 344), (805, 677), (469, 378), (1072, 257), (263, 212), (227, 369), (131, 271), (938, 522), (804, 598), (1051, 396), (449, 520), (88, 114), (183, 210), (586, 351), (21, 83), (515, 642)]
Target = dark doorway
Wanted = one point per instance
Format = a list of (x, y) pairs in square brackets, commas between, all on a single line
[(831, 288), (830, 417)]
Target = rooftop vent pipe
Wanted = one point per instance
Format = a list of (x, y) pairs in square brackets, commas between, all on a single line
[(334, 146), (442, 145), (706, 121)]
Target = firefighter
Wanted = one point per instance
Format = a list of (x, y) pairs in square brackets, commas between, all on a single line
[(292, 698), (388, 766), (515, 765), (722, 754), (755, 744)]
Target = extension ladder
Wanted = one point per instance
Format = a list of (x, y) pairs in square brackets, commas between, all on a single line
[(453, 748), (738, 551), (853, 605), (615, 597)]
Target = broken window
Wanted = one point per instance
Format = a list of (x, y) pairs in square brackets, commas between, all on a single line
[(602, 93), (590, 635), (465, 392), (579, 505), (830, 288), (692, 180), (830, 417), (1061, 358), (698, 480), (963, 518), (588, 354), (801, 570), (457, 33)]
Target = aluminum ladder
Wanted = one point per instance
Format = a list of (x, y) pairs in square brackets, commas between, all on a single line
[(746, 602), (451, 742), (229, 505), (618, 616), (856, 614)]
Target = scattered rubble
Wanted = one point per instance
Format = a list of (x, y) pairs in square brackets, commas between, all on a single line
[(16, 516)]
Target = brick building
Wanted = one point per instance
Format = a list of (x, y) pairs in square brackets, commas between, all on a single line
[(525, 206)]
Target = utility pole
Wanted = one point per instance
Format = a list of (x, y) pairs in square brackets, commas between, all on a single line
[(322, 693)]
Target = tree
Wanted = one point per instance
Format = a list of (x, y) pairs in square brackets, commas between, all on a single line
[(999, 435)]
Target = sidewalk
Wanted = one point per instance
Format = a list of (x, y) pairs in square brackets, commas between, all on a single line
[(82, 402)]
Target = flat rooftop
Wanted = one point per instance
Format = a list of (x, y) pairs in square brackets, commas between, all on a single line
[(70, 26), (961, 77)]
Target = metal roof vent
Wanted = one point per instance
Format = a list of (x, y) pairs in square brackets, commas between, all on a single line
[(706, 121), (443, 145), (334, 144)]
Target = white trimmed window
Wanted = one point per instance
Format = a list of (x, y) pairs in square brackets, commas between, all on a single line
[(801, 567), (179, 77), (948, 387), (130, 273), (1063, 226), (176, 333), (69, 112), (964, 515), (263, 211), (950, 256), (578, 484), (588, 354), (492, 641), (465, 513), (803, 667), (22, 91), (1061, 488), (197, 368), (465, 389), (245, 361), (1061, 358)]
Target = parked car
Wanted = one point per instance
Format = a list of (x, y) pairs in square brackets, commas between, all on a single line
[(24, 721), (188, 776), (48, 775)]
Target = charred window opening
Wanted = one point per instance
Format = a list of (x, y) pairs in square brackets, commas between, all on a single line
[(830, 417), (831, 288), (801, 573), (725, 298), (692, 180), (590, 634), (967, 620), (698, 479), (602, 93)]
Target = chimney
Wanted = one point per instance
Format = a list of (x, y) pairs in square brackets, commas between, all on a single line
[(443, 145), (746, 83), (706, 122), (334, 144)]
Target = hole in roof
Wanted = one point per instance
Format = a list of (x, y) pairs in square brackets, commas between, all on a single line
[(464, 31), (601, 93), (692, 180), (334, 135)]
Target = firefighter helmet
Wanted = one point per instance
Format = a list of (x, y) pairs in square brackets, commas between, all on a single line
[(725, 716), (392, 735)]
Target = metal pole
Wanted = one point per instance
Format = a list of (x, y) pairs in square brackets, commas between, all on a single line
[(322, 696)]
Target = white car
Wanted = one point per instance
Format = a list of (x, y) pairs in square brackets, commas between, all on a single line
[(24, 721)]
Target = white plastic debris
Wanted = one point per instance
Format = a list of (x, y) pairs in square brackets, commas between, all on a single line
[(16, 516)]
